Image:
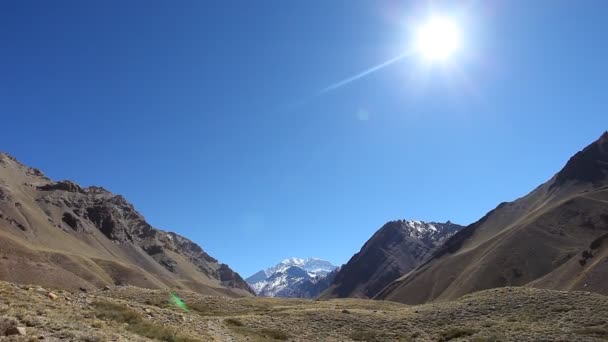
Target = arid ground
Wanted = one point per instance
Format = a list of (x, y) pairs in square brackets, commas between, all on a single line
[(125, 313)]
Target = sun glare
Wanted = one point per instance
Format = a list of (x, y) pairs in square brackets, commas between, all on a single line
[(438, 39)]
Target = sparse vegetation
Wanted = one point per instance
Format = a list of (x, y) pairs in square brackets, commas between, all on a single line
[(601, 331), (234, 322), (455, 332), (263, 334), (138, 315), (274, 334), (122, 314), (561, 308), (363, 336)]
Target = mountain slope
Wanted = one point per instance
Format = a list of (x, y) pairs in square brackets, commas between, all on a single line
[(294, 278), (58, 234), (394, 250), (550, 238)]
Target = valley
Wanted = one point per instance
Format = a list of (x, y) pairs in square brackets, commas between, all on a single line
[(126, 313), (304, 171), (81, 264)]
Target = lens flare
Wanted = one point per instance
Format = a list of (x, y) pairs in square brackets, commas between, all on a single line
[(177, 301)]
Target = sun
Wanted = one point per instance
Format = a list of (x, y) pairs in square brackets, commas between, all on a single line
[(438, 39)]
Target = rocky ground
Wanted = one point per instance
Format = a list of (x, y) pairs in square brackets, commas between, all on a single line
[(31, 313)]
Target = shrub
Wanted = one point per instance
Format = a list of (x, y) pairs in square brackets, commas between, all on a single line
[(594, 331), (363, 336), (275, 334), (453, 333), (234, 322), (136, 324)]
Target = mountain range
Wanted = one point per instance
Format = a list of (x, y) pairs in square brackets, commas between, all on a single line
[(555, 237), (294, 277), (59, 234)]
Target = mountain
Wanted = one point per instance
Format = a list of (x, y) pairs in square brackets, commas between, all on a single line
[(295, 277), (58, 234), (394, 250), (555, 238)]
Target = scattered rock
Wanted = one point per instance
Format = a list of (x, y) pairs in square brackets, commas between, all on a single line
[(15, 331), (345, 311), (51, 295), (83, 289), (7, 323), (31, 321), (106, 288)]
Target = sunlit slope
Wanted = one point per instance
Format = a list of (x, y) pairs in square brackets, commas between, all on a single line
[(59, 234), (537, 240)]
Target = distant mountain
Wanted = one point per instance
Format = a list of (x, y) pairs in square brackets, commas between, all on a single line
[(295, 277), (394, 250), (555, 237), (61, 235)]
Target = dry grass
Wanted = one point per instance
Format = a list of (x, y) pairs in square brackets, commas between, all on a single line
[(134, 314), (135, 323), (233, 322), (454, 333), (600, 331)]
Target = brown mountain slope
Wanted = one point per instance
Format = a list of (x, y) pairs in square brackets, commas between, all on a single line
[(58, 234), (537, 240), (394, 250)]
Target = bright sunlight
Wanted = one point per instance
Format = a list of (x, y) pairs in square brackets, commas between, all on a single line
[(438, 39)]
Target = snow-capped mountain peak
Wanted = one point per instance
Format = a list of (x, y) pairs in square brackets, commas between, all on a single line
[(285, 278), (314, 266), (429, 230)]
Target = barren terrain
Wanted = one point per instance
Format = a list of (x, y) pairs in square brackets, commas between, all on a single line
[(126, 313)]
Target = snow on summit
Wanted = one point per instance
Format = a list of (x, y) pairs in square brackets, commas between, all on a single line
[(287, 277)]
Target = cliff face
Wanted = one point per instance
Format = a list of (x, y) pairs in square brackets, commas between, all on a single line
[(96, 237)]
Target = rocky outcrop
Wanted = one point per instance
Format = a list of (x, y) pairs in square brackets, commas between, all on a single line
[(588, 165), (62, 186)]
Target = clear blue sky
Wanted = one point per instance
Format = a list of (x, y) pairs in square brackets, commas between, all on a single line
[(203, 114)]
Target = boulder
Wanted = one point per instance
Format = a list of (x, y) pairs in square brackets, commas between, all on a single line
[(15, 331), (7, 323)]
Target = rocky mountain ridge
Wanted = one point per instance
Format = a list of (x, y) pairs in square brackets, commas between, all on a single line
[(394, 250), (553, 238), (92, 226)]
